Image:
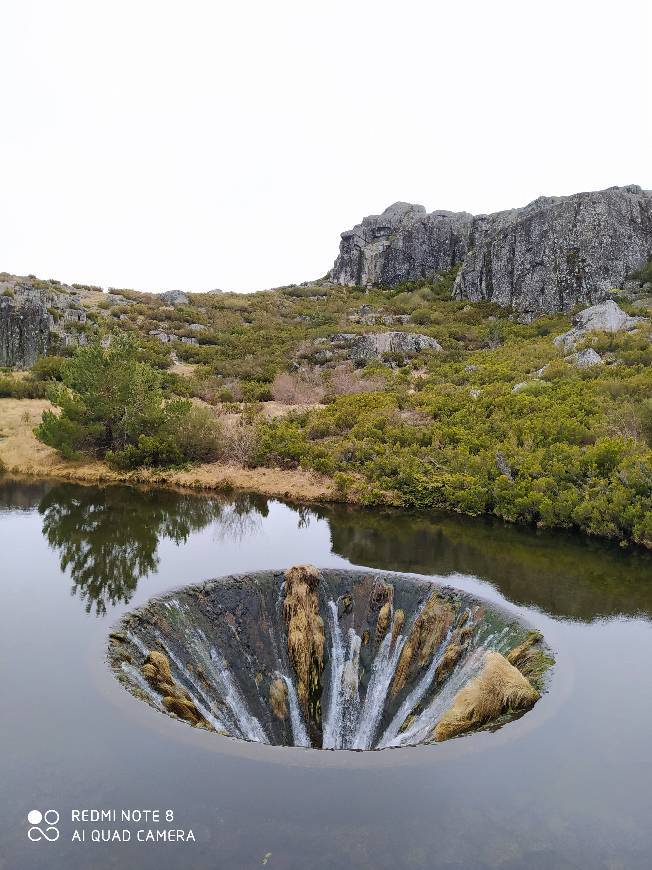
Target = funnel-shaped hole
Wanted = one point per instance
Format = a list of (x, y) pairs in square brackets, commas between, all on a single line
[(330, 659)]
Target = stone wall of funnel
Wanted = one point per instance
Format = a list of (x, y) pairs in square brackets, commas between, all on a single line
[(330, 659)]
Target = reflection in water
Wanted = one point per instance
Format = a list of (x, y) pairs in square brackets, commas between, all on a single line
[(108, 538), (560, 573)]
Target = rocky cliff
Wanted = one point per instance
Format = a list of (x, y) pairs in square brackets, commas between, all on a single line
[(24, 328), (548, 256), (37, 316)]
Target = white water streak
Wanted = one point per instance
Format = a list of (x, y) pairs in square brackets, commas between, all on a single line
[(350, 689), (415, 696), (382, 673), (332, 734), (299, 733), (465, 671), (136, 677)]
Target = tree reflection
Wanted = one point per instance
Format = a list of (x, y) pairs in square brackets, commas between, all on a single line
[(108, 538), (563, 574)]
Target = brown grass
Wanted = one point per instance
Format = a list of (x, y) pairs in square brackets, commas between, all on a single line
[(298, 389), (278, 696), (156, 671), (305, 632), (499, 687), (24, 455), (382, 624), (427, 633)]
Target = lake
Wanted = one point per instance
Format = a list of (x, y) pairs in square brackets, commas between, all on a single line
[(567, 786)]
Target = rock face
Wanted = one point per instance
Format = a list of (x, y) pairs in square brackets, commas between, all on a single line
[(585, 359), (550, 255), (174, 297), (606, 317), (368, 346), (24, 329), (403, 243)]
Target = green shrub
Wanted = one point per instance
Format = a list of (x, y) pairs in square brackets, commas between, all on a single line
[(422, 316), (112, 406), (49, 368), (21, 388)]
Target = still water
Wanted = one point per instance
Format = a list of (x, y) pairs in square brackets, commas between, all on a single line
[(567, 786)]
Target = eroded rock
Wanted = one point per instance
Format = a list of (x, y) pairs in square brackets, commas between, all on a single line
[(174, 297), (548, 256), (363, 348), (605, 317), (24, 329)]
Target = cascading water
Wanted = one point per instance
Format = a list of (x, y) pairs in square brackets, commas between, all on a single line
[(333, 715), (330, 659)]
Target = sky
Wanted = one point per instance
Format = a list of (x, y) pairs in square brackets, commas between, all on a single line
[(201, 145)]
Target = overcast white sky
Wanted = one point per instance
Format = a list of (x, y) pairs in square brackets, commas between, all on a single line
[(157, 145)]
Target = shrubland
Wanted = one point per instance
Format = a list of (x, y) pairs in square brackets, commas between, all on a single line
[(496, 422)]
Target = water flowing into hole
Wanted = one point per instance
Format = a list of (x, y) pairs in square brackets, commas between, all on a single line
[(330, 659)]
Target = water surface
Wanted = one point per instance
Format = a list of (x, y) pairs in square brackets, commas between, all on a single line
[(567, 786)]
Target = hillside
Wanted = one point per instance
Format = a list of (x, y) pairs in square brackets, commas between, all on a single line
[(402, 396)]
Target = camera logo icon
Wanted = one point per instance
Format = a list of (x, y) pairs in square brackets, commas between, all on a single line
[(43, 826)]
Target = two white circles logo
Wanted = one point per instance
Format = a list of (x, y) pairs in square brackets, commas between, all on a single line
[(49, 819)]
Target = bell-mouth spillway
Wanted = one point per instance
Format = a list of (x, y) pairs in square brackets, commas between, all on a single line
[(330, 659)]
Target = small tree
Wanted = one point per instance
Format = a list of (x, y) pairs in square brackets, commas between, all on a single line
[(107, 400), (112, 405)]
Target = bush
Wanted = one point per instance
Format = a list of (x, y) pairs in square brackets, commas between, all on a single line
[(49, 368), (297, 389), (646, 421), (422, 316), (112, 406), (21, 388)]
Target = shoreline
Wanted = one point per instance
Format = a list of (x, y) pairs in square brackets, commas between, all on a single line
[(22, 456), (299, 487)]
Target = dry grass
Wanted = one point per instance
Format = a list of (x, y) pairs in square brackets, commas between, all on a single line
[(305, 632), (427, 633), (298, 389), (156, 671), (498, 688), (24, 455), (278, 696)]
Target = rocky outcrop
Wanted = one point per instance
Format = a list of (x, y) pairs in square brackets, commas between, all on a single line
[(585, 359), (605, 317), (36, 317), (167, 337), (24, 328), (368, 346), (549, 256), (174, 297), (403, 243)]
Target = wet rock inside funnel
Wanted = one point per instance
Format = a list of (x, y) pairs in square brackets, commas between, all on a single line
[(330, 659)]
